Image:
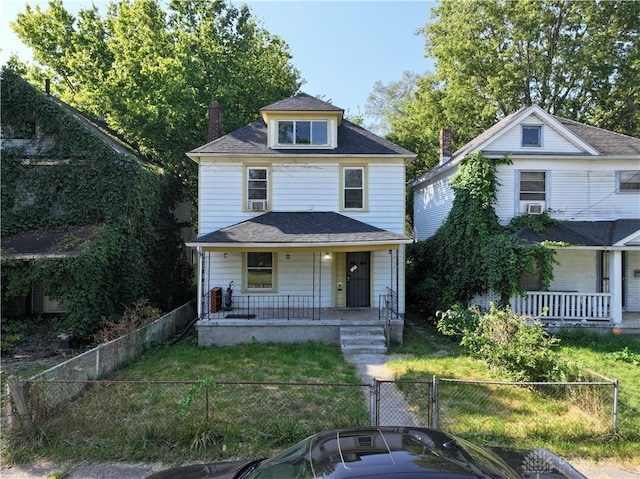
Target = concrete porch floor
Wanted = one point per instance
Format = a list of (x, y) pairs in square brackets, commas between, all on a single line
[(227, 331)]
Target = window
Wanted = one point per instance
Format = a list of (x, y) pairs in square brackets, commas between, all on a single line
[(259, 270), (257, 188), (531, 135), (629, 180), (532, 185), (353, 181), (296, 132)]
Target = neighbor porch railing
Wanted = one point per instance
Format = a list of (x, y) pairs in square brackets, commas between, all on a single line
[(569, 306), (262, 307)]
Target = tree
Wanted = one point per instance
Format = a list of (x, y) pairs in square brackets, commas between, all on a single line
[(151, 73), (579, 59)]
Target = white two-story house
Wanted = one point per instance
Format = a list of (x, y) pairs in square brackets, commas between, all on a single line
[(586, 177), (303, 214)]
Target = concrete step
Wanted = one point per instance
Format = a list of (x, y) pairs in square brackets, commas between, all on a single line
[(363, 340)]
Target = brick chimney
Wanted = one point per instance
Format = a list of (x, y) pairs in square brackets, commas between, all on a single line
[(215, 121), (445, 145)]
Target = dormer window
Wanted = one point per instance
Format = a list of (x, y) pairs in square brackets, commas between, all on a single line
[(299, 132), (531, 136)]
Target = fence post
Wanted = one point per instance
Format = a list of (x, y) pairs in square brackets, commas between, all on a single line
[(374, 399), (16, 392), (98, 349), (434, 402), (615, 406)]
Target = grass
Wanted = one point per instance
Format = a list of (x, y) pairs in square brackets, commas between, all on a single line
[(570, 426), (199, 415)]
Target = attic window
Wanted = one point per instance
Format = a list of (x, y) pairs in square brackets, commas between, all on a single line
[(531, 135), (298, 132)]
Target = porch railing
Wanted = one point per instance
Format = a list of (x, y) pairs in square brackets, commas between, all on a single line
[(263, 307), (571, 306)]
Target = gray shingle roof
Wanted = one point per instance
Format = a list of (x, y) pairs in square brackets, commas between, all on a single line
[(584, 233), (606, 142), (309, 227), (252, 140), (53, 243), (301, 102)]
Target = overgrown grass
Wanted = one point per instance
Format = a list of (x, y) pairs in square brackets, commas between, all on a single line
[(208, 419), (204, 417), (573, 426)]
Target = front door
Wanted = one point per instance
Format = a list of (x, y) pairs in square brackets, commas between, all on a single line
[(358, 281)]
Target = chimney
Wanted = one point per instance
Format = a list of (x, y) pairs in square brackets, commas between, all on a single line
[(215, 121), (47, 86), (445, 145)]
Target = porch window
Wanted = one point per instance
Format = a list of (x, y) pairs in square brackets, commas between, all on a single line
[(533, 185), (260, 271), (257, 188), (628, 180), (353, 180), (297, 132)]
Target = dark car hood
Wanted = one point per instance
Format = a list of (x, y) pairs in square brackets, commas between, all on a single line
[(219, 470), (537, 463)]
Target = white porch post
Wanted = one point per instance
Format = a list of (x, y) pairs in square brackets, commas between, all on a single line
[(615, 281), (200, 279)]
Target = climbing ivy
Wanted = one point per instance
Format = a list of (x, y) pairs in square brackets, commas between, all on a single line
[(74, 177), (471, 253)]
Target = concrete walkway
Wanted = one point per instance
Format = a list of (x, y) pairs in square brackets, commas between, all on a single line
[(373, 366)]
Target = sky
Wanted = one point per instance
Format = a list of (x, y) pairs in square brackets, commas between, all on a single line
[(341, 48)]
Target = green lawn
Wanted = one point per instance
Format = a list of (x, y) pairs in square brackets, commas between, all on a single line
[(199, 414), (526, 418)]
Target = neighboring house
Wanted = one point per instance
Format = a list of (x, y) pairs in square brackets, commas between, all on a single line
[(586, 177), (304, 212), (87, 225)]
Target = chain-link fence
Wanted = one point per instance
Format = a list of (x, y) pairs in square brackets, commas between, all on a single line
[(507, 410), (102, 360)]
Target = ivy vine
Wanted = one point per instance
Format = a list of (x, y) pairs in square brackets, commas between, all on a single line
[(471, 253), (73, 177)]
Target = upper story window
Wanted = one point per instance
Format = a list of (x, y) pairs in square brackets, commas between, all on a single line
[(531, 135), (533, 185), (299, 132), (257, 188), (353, 181), (628, 180)]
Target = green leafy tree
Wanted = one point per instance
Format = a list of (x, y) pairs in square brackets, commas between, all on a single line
[(151, 73), (579, 59)]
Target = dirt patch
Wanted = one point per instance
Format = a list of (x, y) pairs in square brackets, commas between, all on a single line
[(39, 350)]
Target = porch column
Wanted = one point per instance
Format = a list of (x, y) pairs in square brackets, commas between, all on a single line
[(200, 280), (615, 281)]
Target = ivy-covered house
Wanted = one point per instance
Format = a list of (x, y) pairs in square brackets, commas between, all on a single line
[(572, 187), (88, 227)]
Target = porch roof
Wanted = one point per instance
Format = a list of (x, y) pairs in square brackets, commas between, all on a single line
[(38, 244), (585, 233), (301, 230)]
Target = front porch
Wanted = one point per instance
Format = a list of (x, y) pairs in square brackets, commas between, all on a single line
[(572, 309), (324, 325)]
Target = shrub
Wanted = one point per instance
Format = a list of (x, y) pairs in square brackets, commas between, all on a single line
[(133, 318), (514, 344)]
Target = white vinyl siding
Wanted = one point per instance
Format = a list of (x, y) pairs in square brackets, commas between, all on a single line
[(576, 271), (432, 204)]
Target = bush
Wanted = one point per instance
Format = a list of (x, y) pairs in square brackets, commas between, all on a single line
[(514, 344)]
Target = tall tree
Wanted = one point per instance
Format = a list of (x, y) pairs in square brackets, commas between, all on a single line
[(151, 72), (579, 59)]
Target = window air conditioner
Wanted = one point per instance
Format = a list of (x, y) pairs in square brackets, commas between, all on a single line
[(257, 205), (535, 208)]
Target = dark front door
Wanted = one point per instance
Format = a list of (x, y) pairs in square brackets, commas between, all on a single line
[(358, 284)]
